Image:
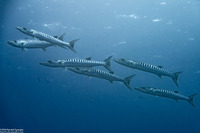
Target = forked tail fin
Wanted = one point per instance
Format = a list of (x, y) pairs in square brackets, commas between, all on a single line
[(71, 45), (107, 64), (191, 97), (175, 77), (127, 81)]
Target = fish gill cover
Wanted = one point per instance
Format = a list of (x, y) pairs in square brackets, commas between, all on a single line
[(39, 93)]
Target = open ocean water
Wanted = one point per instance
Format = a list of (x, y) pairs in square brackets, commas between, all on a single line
[(41, 99)]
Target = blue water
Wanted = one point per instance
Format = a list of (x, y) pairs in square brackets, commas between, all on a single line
[(39, 99)]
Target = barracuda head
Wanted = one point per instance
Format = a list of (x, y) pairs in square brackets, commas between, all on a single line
[(53, 63), (17, 43), (12, 43), (29, 32), (124, 61), (144, 89), (79, 70)]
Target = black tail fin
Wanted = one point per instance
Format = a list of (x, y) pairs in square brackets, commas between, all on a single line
[(107, 64), (71, 45), (127, 81), (191, 97), (175, 77)]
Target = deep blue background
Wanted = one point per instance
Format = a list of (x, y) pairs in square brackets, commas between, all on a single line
[(40, 99)]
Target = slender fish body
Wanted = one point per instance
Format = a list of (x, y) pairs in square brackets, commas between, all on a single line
[(158, 70), (78, 63), (30, 44), (103, 75), (165, 93), (51, 39)]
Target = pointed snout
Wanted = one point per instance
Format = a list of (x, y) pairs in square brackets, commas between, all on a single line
[(119, 60), (143, 89), (13, 43), (22, 29), (19, 28), (10, 42), (138, 88), (116, 60), (44, 64)]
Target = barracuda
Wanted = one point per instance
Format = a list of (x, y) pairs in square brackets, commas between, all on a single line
[(168, 94), (78, 63), (51, 39), (103, 75), (25, 44), (158, 70)]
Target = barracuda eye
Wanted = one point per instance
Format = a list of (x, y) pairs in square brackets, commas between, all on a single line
[(49, 61), (22, 43), (15, 41)]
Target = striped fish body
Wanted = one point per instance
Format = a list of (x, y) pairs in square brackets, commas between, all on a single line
[(103, 75), (146, 67), (49, 38), (97, 73), (79, 63), (165, 93), (158, 70)]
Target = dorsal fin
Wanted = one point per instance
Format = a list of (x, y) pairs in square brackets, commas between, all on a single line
[(175, 91), (88, 58), (160, 66), (61, 37), (55, 36)]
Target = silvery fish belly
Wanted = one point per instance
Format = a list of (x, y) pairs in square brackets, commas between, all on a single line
[(30, 44), (158, 70), (103, 75), (166, 93)]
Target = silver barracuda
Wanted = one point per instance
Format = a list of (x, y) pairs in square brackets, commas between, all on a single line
[(51, 39), (158, 70), (25, 44), (168, 94), (103, 75), (78, 63)]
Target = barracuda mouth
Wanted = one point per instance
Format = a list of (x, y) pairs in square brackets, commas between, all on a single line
[(119, 60), (44, 64), (13, 43), (10, 42), (20, 28)]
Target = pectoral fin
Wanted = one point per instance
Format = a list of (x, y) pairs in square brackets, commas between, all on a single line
[(110, 81), (44, 49), (159, 76)]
